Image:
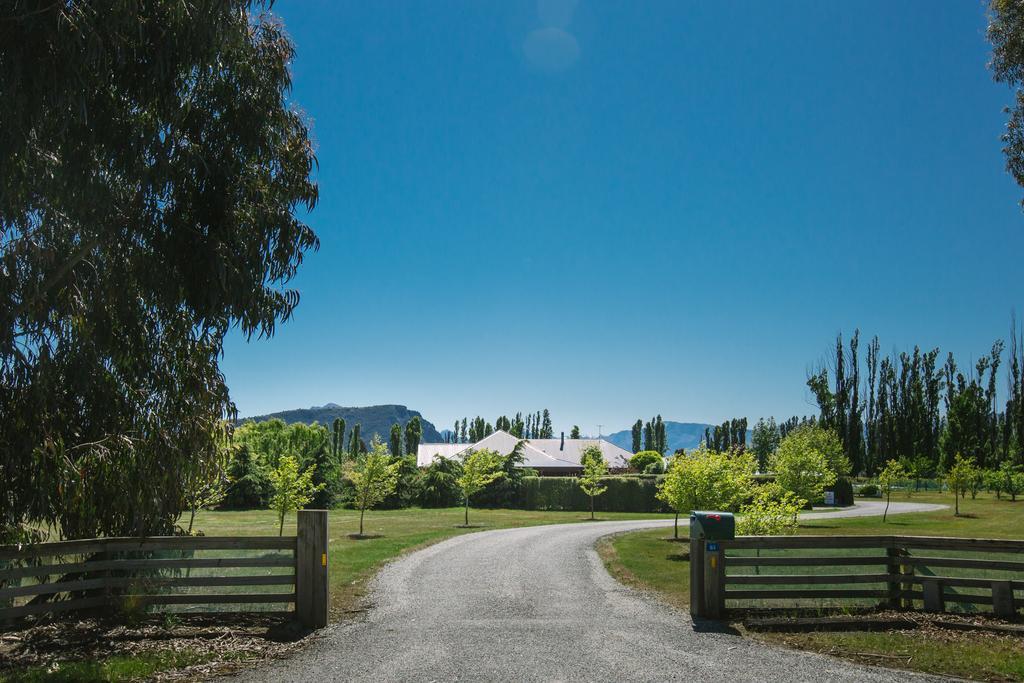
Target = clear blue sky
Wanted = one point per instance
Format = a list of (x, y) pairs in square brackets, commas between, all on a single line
[(618, 209)]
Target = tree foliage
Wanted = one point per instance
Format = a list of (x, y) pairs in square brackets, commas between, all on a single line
[(293, 487), (809, 460), (479, 468), (959, 478), (595, 468), (771, 512), (153, 174), (374, 475), (706, 480), (891, 475)]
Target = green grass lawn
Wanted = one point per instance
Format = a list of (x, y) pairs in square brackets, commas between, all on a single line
[(648, 560)]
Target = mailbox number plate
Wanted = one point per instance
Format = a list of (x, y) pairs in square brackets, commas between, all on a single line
[(712, 547)]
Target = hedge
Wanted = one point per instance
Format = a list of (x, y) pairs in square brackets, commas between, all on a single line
[(624, 494)]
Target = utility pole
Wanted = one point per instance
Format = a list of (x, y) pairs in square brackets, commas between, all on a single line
[(599, 431)]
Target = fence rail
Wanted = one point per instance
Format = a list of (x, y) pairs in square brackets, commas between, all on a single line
[(849, 570), (116, 574)]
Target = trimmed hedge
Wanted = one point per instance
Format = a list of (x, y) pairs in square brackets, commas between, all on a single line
[(844, 492), (624, 494)]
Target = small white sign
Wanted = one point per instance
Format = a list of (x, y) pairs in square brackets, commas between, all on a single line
[(830, 497)]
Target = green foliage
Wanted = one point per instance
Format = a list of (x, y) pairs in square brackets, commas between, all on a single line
[(643, 459), (624, 494), (502, 492), (153, 171), (892, 474), (869, 490), (707, 480), (479, 468), (248, 481), (771, 512), (413, 434), (575, 433), (1011, 478), (594, 470), (438, 485), (959, 478), (374, 475), (764, 441), (292, 488), (809, 460)]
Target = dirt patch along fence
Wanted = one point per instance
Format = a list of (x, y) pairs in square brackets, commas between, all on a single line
[(904, 572), (280, 576)]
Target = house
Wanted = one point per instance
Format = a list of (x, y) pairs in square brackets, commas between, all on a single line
[(547, 456)]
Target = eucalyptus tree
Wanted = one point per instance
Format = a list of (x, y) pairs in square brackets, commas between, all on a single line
[(154, 175)]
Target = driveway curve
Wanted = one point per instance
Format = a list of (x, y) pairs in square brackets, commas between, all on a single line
[(536, 604)]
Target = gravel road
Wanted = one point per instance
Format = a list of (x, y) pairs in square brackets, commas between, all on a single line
[(536, 604)]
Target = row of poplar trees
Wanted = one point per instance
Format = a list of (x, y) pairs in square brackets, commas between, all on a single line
[(402, 440), (532, 426), (913, 407), (650, 435)]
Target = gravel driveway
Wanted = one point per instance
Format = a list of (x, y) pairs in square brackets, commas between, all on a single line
[(536, 604)]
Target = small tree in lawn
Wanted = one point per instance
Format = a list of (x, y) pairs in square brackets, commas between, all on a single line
[(891, 474), (292, 487), (708, 480), (802, 467), (594, 469), (479, 468), (959, 478), (1012, 479), (374, 475)]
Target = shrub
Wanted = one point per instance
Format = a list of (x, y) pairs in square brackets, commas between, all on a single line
[(869, 491), (643, 459), (436, 485)]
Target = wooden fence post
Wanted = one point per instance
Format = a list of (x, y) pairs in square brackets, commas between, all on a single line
[(311, 596), (697, 577), (714, 580), (1002, 599), (894, 570), (934, 595)]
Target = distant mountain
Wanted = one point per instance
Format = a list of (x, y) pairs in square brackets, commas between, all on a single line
[(372, 419), (679, 435)]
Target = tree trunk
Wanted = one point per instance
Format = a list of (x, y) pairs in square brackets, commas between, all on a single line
[(675, 533), (191, 519), (280, 528), (884, 514), (466, 523), (362, 512), (591, 506)]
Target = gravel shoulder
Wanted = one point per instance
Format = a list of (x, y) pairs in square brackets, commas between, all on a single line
[(536, 604)]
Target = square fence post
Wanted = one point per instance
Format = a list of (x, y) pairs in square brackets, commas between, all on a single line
[(934, 595), (697, 577), (893, 569), (1002, 599), (714, 582), (311, 592)]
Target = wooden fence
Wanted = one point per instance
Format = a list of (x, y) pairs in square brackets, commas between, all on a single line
[(893, 571), (121, 575)]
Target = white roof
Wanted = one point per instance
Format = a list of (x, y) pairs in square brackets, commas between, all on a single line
[(573, 450), (537, 453)]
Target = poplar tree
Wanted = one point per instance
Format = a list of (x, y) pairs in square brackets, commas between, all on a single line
[(396, 440), (637, 435)]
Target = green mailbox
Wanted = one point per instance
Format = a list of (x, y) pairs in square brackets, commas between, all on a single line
[(712, 526)]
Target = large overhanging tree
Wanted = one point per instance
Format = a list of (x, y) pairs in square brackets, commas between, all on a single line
[(154, 175)]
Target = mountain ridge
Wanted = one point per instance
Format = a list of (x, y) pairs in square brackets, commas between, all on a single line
[(371, 419)]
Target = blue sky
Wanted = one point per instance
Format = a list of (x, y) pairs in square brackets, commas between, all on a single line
[(620, 209)]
